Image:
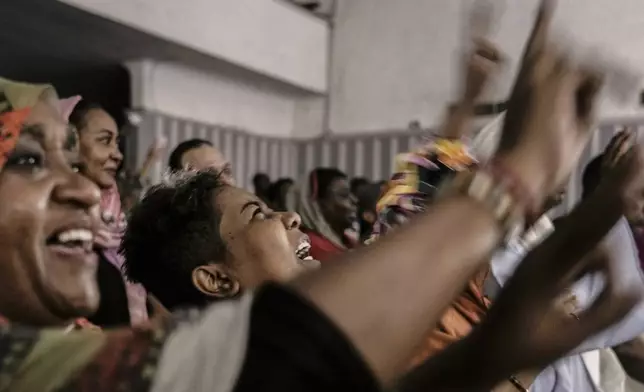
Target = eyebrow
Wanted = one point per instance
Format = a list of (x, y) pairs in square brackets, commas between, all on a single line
[(250, 204), (36, 131)]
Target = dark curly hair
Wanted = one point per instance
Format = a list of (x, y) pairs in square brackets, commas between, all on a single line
[(174, 229)]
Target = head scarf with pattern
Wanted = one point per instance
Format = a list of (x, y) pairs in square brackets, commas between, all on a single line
[(413, 185), (16, 101)]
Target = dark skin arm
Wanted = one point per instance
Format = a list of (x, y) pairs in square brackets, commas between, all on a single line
[(405, 281), (499, 347), (631, 356)]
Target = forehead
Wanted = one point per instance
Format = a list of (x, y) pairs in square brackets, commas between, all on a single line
[(45, 118), (203, 152), (231, 198), (99, 120)]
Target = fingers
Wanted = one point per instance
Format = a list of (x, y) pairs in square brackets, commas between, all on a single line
[(618, 147), (539, 35), (612, 305)]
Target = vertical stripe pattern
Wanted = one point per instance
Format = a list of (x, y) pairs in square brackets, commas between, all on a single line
[(364, 155)]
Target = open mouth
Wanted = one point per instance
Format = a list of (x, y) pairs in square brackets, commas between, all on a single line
[(72, 241), (302, 252), (111, 171)]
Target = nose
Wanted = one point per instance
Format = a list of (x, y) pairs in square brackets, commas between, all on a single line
[(78, 190), (291, 220), (117, 155)]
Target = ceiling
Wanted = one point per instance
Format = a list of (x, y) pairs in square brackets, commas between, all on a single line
[(45, 40)]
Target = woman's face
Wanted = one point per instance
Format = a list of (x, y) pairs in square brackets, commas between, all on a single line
[(263, 245), (99, 148), (339, 205), (48, 214)]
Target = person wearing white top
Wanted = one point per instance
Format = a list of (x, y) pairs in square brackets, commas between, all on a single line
[(580, 370)]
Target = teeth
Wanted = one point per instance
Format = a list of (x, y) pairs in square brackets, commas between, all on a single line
[(80, 235)]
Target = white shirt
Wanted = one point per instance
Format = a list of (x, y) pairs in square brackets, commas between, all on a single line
[(575, 373)]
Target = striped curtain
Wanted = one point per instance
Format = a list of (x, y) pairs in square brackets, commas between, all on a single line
[(362, 155)]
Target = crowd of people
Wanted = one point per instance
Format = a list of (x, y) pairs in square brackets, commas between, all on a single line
[(447, 277)]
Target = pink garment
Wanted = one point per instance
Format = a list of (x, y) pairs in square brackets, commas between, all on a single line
[(109, 240), (67, 105)]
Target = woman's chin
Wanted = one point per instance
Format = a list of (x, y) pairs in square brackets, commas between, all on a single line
[(80, 303)]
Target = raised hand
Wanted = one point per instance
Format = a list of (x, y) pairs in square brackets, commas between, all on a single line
[(550, 112), (526, 327), (617, 147), (482, 64)]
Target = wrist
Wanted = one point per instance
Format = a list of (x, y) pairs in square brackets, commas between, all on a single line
[(533, 179), (464, 365)]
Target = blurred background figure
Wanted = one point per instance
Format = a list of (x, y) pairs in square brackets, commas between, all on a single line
[(277, 193), (262, 186), (328, 211)]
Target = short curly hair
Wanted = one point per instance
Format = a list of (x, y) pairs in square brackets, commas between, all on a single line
[(173, 230)]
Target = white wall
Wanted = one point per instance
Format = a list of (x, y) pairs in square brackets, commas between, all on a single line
[(207, 97), (266, 36), (396, 61)]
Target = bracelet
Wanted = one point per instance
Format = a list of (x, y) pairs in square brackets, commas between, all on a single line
[(517, 384)]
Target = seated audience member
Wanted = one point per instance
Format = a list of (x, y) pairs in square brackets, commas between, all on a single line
[(367, 214), (47, 275), (199, 154), (261, 186), (196, 239), (328, 211), (580, 370), (277, 193), (122, 302), (258, 341), (630, 355), (358, 185)]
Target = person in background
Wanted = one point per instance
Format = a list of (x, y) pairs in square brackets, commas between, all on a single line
[(367, 214), (195, 240), (328, 211), (199, 154), (131, 184), (261, 186), (630, 355), (277, 193), (122, 302), (256, 343), (358, 185)]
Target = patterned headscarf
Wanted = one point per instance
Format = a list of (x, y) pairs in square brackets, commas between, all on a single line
[(16, 101), (412, 187), (416, 178)]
